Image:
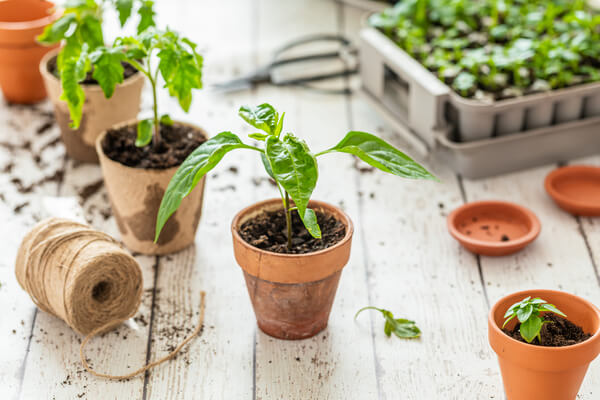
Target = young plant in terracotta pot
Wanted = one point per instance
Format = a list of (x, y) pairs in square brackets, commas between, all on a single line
[(544, 349), (79, 77), (293, 249), (20, 22), (139, 158)]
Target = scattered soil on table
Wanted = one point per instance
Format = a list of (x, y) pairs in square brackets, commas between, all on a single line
[(557, 333), (177, 142), (268, 231), (128, 71)]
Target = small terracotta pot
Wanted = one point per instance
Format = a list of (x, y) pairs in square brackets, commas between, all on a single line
[(548, 373), (292, 294), (21, 21), (135, 195), (99, 113)]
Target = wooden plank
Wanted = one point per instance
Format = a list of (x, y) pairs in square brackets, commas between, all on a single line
[(558, 259), (590, 226), (416, 271)]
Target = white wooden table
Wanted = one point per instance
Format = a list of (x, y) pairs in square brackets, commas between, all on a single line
[(403, 259)]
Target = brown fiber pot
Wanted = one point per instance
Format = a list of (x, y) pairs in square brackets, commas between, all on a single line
[(135, 195), (292, 294), (99, 113), (21, 21), (549, 373)]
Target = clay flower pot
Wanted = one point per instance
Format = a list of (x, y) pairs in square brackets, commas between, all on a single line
[(99, 113), (21, 21), (549, 373), (292, 294), (135, 195)]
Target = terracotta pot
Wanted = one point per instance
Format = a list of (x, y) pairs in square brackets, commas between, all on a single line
[(548, 373), (99, 113), (576, 189), (21, 21), (292, 294), (135, 195)]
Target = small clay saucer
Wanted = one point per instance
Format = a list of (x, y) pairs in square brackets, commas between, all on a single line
[(576, 189), (493, 228)]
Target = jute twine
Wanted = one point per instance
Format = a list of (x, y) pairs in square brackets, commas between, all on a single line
[(85, 278)]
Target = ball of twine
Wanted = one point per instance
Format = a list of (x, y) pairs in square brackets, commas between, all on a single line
[(78, 274), (85, 278)]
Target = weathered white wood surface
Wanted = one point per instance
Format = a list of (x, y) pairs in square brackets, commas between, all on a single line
[(402, 258)]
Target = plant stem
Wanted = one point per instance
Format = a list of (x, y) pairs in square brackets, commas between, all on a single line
[(153, 81), (288, 220)]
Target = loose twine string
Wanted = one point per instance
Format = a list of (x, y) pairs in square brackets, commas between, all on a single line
[(85, 278)]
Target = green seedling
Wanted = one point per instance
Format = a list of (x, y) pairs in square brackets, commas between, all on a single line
[(288, 160), (403, 328), (506, 46), (528, 312), (154, 53), (80, 31)]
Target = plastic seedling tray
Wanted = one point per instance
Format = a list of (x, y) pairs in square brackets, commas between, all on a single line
[(477, 138)]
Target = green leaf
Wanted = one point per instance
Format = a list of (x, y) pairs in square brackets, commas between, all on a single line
[(405, 329), (523, 314), (165, 119), (552, 308), (181, 74), (263, 158), (310, 222), (124, 8), (146, 13), (258, 136), (198, 163), (108, 70), (294, 168), (144, 132), (531, 328), (263, 117), (74, 70), (402, 328), (90, 30), (55, 32), (508, 320), (279, 126), (378, 153)]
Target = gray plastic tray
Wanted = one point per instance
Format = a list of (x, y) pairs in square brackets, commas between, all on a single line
[(427, 105), (499, 155)]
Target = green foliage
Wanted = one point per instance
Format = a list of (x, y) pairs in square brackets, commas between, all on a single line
[(288, 160), (81, 27), (498, 49), (528, 312), (403, 328), (179, 65)]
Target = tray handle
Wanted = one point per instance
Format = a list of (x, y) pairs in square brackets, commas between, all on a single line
[(403, 85)]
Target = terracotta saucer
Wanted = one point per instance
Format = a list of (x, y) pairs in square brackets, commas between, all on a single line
[(576, 189), (493, 228)]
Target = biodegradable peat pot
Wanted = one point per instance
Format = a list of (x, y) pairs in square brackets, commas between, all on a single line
[(537, 372), (135, 195), (99, 113), (292, 294), (21, 21)]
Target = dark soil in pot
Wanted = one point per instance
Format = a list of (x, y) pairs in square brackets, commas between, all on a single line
[(129, 71), (557, 332), (177, 142), (268, 231)]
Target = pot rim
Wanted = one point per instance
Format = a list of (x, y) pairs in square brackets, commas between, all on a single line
[(102, 155), (89, 87), (533, 232), (55, 14), (261, 204), (539, 292), (570, 170)]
